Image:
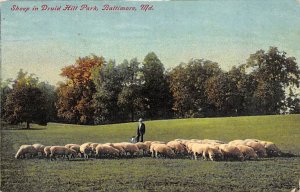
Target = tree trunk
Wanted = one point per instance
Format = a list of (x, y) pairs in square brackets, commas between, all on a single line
[(28, 125)]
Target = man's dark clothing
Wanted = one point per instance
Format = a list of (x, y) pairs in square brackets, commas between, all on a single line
[(140, 132)]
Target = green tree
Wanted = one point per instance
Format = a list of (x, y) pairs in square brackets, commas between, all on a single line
[(108, 86), (130, 98), (188, 84), (5, 90), (26, 102), (273, 72), (155, 88)]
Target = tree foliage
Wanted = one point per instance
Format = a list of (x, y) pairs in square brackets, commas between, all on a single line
[(75, 96), (26, 102)]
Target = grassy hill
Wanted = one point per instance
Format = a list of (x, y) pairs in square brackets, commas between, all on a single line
[(147, 174)]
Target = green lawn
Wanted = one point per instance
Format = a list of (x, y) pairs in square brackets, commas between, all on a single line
[(147, 174)]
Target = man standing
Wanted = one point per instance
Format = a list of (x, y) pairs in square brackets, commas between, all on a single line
[(140, 131)]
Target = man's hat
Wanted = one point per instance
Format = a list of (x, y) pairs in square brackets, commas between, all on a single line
[(140, 120)]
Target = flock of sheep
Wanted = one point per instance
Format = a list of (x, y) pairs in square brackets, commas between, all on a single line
[(214, 150)]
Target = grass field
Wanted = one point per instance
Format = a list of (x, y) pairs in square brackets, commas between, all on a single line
[(147, 174)]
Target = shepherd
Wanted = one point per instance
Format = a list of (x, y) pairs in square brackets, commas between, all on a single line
[(141, 131)]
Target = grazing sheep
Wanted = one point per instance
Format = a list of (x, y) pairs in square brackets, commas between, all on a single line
[(70, 145), (237, 142), (143, 147), (47, 151), (209, 141), (272, 150), (119, 147), (76, 148), (231, 152), (39, 148), (178, 148), (247, 151), (130, 148), (86, 150), (198, 149), (106, 150), (62, 151), (213, 153), (161, 149), (296, 189), (26, 150), (258, 148)]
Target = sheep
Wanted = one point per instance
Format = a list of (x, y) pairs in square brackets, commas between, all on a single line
[(209, 141), (177, 147), (247, 151), (258, 148), (272, 150), (296, 189), (231, 152), (130, 148), (198, 149), (39, 148), (119, 147), (70, 145), (213, 153), (142, 147), (162, 149), (85, 150), (61, 151), (237, 142), (26, 150), (103, 149), (47, 151)]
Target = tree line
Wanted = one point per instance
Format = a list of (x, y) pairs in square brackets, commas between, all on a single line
[(96, 91)]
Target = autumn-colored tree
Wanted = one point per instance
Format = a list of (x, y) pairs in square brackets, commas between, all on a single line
[(75, 96)]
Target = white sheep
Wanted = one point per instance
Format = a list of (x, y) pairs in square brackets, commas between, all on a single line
[(103, 149), (197, 149), (247, 151), (161, 149), (26, 150), (258, 148), (119, 147), (271, 149), (178, 148), (214, 153), (231, 152), (47, 151), (143, 148), (70, 145), (39, 148), (85, 150), (130, 148), (62, 151)]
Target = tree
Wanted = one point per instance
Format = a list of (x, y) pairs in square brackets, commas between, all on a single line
[(187, 84), (273, 72), (108, 86), (223, 93), (75, 96), (130, 99), (26, 102), (155, 88), (5, 90)]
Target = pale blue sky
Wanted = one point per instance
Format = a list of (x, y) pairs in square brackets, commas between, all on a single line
[(222, 31)]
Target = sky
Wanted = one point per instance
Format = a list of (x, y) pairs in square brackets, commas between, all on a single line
[(227, 32)]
